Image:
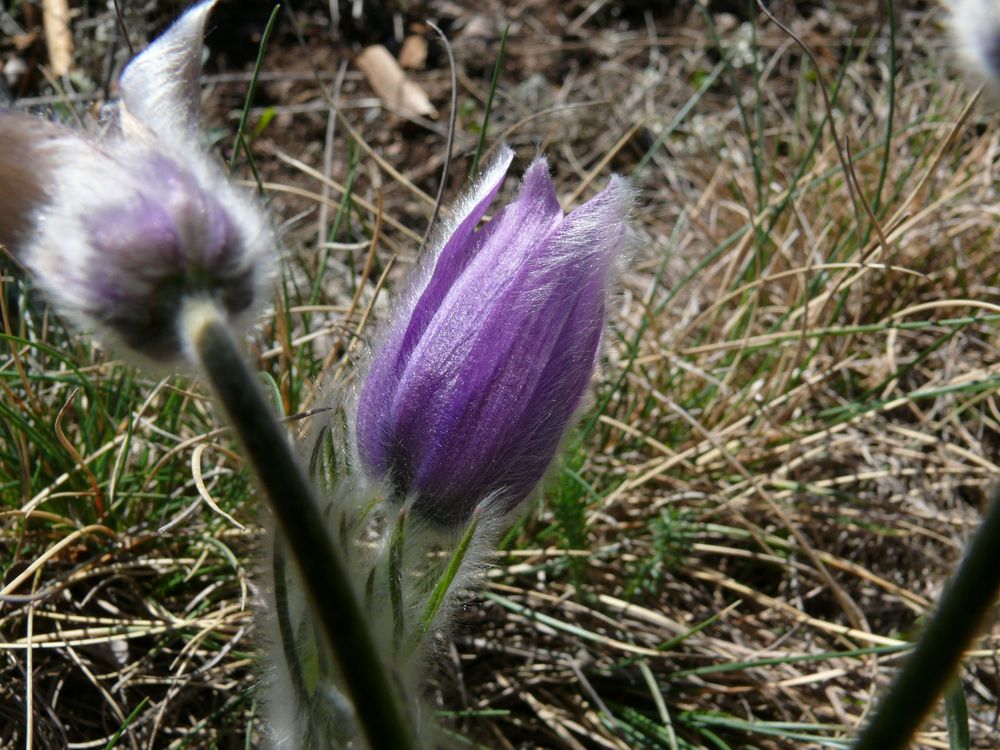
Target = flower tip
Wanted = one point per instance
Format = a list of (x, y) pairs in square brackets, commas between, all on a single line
[(621, 193), (160, 86), (538, 189), (489, 180), (505, 155)]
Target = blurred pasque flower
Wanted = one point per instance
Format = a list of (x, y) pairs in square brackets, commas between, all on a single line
[(489, 355), (975, 31), (121, 230)]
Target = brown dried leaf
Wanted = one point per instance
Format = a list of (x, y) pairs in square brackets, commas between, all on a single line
[(388, 80), (24, 41), (413, 54)]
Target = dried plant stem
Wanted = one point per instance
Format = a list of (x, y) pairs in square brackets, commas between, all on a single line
[(453, 114), (294, 506), (58, 38), (931, 667)]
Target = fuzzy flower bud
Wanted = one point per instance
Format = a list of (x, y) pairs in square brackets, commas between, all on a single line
[(120, 231), (491, 352), (975, 31)]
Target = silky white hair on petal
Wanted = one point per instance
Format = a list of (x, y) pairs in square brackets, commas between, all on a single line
[(160, 87)]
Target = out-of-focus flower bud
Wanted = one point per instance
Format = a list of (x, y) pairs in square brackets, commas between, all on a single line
[(975, 30), (490, 353), (122, 231)]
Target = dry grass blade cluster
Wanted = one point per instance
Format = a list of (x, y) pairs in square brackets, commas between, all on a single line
[(792, 436)]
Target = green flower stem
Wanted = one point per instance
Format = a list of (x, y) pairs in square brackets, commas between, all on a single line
[(297, 513), (934, 662)]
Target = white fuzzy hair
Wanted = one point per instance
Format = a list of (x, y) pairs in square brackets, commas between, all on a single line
[(974, 26)]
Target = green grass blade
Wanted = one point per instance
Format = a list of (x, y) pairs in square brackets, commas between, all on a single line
[(396, 548), (489, 102), (240, 142), (957, 716), (891, 114), (128, 720), (444, 583)]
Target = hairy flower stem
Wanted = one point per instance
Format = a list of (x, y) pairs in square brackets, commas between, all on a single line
[(294, 506), (938, 654)]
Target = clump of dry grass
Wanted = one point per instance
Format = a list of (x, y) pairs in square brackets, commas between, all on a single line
[(791, 439)]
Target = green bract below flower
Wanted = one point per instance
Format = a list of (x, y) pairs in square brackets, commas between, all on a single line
[(488, 357)]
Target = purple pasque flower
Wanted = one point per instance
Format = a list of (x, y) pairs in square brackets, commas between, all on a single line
[(161, 246), (491, 351), (121, 230)]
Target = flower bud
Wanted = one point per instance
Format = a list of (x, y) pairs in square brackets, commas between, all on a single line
[(491, 352), (122, 231), (975, 31)]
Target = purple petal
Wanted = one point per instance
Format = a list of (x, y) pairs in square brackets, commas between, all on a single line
[(491, 387), (504, 415), (478, 296), (460, 246), (480, 375), (500, 429), (139, 237), (168, 240), (201, 222), (459, 249)]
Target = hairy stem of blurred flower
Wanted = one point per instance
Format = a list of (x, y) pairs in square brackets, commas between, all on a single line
[(294, 506), (938, 654)]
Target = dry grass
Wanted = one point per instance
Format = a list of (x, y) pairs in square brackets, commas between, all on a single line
[(792, 436)]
